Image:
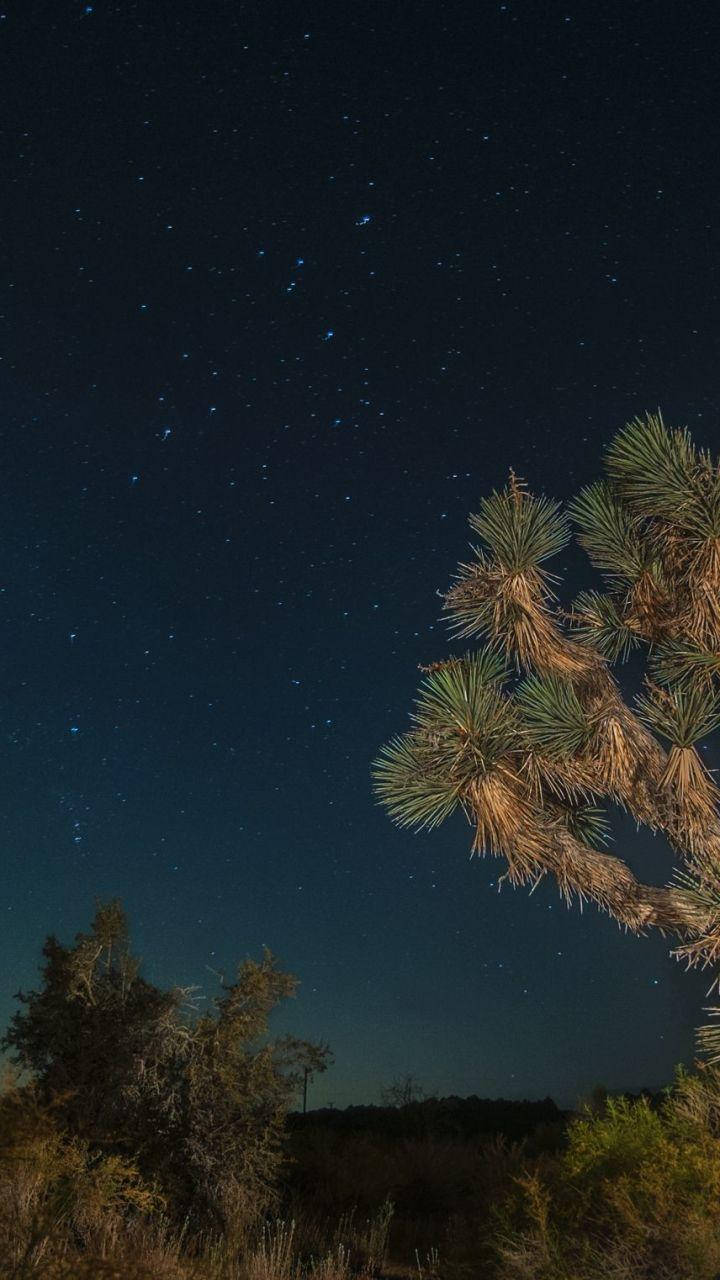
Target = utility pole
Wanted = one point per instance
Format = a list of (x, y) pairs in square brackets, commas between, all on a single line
[(307, 1072)]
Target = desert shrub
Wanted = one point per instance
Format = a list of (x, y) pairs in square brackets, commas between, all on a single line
[(70, 1212), (55, 1192), (145, 1093), (636, 1193)]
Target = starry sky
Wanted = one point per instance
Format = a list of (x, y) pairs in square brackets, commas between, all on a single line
[(286, 290)]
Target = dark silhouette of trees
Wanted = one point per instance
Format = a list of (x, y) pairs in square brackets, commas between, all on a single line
[(197, 1101), (527, 764), (402, 1092)]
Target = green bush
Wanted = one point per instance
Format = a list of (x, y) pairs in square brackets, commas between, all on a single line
[(635, 1193)]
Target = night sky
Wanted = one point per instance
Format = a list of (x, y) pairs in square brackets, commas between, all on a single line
[(286, 290)]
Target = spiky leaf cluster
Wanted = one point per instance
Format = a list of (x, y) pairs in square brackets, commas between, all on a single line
[(609, 534), (463, 724), (701, 517), (520, 530), (597, 619), (655, 470), (473, 598), (487, 666), (554, 720), (684, 663), (411, 781), (488, 601), (653, 529), (590, 825), (586, 822), (683, 715)]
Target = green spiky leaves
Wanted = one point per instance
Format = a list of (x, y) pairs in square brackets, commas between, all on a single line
[(463, 725), (586, 822), (472, 601), (682, 662), (589, 824), (412, 784), (682, 715), (521, 530), (660, 473), (652, 467), (461, 680), (702, 516), (554, 721), (598, 621), (609, 534)]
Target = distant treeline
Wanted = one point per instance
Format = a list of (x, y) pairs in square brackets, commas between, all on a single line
[(438, 1117)]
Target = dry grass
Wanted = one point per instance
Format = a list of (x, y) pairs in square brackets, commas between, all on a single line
[(628, 1192), (39, 1243)]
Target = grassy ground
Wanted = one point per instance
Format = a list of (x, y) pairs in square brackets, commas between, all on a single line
[(629, 1190)]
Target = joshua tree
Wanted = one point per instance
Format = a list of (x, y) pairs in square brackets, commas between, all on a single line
[(526, 764)]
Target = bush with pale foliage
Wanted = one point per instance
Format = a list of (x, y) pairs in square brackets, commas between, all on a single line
[(634, 1196)]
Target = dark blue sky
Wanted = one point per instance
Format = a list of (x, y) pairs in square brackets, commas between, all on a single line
[(285, 291)]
